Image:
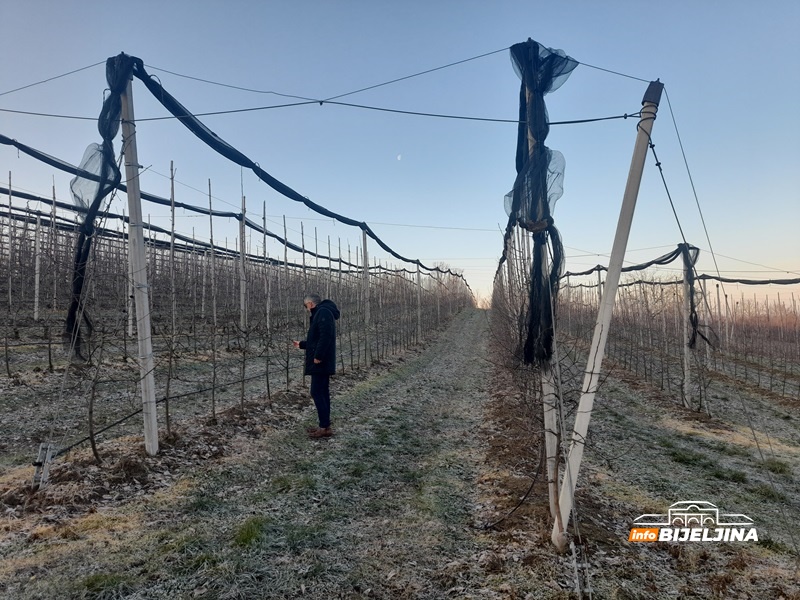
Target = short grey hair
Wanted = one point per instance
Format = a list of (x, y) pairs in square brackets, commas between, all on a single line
[(315, 298)]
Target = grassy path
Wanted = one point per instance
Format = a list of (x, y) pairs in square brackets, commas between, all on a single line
[(382, 510), (250, 508), (384, 507)]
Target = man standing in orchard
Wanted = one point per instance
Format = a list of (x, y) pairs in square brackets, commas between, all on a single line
[(320, 363)]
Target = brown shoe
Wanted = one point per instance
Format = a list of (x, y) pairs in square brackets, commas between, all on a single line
[(320, 432), (313, 429)]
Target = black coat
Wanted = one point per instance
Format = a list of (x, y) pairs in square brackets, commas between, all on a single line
[(320, 343)]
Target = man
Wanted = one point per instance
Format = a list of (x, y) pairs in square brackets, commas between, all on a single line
[(320, 363)]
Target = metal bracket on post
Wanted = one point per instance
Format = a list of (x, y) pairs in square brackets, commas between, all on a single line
[(42, 464)]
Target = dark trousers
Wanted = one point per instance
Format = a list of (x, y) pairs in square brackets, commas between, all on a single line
[(320, 392)]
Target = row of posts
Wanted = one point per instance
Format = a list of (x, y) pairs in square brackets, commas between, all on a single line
[(139, 280)]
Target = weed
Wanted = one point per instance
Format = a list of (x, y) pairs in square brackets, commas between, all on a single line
[(778, 466), (168, 544), (300, 537), (99, 583), (773, 545), (383, 436), (720, 582), (729, 475), (412, 476), (688, 457), (767, 492), (250, 531), (291, 482), (725, 448), (358, 469), (739, 562), (201, 503), (204, 559), (304, 466), (282, 483)]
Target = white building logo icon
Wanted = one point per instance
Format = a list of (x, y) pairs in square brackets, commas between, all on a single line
[(693, 521)]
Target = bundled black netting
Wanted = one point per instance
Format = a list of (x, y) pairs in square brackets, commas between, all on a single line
[(690, 254), (680, 251), (538, 186), (99, 160), (98, 175), (228, 151)]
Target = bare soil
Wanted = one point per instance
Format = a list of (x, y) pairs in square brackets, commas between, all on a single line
[(429, 489)]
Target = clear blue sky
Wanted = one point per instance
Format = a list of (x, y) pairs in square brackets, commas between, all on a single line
[(731, 70)]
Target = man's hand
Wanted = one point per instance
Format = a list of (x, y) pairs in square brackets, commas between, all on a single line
[(296, 343), (317, 361)]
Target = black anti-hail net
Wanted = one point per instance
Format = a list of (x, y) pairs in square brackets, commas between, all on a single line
[(99, 159), (119, 70), (540, 173)]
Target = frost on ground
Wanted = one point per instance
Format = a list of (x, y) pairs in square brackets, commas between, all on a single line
[(410, 499)]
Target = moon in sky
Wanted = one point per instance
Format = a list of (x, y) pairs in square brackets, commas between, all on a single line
[(399, 157)]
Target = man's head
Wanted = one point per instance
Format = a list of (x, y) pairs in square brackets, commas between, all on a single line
[(311, 300)]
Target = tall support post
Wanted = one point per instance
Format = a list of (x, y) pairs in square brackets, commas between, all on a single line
[(204, 269), (687, 352), (316, 256), (285, 286), (242, 272), (213, 307), (243, 300), (599, 286), (54, 249), (419, 304), (339, 278), (268, 306), (139, 272), (37, 267), (10, 253), (719, 312), (129, 303), (510, 269), (707, 307), (267, 273), (438, 299), (173, 289), (551, 435), (595, 359), (173, 294), (330, 272), (303, 246), (728, 316), (366, 298)]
